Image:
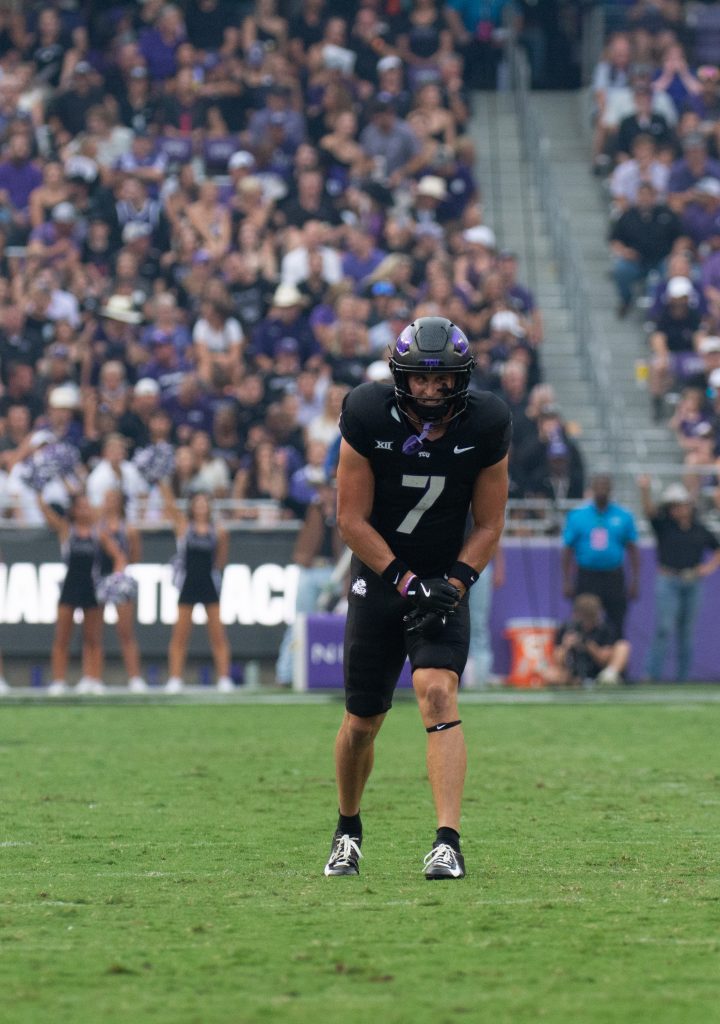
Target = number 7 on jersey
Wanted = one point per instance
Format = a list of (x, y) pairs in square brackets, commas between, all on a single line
[(434, 485)]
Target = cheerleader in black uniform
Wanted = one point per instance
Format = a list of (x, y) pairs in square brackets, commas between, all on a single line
[(115, 586), (81, 546), (202, 555)]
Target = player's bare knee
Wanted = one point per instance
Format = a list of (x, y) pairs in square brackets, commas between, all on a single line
[(437, 700), (361, 731)]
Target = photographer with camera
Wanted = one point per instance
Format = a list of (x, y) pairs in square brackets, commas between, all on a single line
[(585, 648)]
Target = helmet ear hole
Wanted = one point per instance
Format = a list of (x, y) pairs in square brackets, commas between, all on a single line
[(432, 344)]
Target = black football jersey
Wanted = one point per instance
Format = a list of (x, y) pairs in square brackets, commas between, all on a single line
[(421, 500)]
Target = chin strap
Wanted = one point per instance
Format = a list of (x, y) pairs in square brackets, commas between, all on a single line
[(414, 444)]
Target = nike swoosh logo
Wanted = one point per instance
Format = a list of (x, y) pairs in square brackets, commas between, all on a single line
[(441, 726), (425, 591), (459, 451)]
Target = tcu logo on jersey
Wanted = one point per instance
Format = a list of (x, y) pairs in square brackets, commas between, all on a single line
[(385, 446)]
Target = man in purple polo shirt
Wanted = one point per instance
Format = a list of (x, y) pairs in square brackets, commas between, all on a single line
[(18, 177), (688, 171)]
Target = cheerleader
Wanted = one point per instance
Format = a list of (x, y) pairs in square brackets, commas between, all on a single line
[(115, 586), (81, 546), (202, 549)]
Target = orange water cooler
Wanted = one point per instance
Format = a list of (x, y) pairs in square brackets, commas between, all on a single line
[(531, 645)]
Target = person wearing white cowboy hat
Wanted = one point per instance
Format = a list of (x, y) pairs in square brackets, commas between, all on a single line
[(122, 309), (286, 319), (432, 186), (682, 543)]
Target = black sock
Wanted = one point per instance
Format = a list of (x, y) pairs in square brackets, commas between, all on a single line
[(449, 836), (350, 825)]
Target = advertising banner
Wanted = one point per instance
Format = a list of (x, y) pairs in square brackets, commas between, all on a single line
[(257, 600)]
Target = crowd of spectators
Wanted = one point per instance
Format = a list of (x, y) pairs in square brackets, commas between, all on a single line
[(656, 95), (213, 220)]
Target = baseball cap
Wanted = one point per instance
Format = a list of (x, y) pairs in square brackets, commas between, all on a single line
[(676, 494), (679, 288), (508, 321), (81, 168), (67, 396), (432, 186), (241, 159), (147, 386), (63, 213), (480, 234), (287, 295), (388, 63), (709, 344)]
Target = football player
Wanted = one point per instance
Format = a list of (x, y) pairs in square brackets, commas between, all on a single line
[(414, 458)]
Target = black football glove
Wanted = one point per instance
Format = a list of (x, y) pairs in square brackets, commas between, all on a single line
[(433, 595), (425, 624)]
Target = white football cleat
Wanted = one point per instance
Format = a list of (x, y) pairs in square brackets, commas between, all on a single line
[(225, 685), (137, 685), (174, 685), (57, 688)]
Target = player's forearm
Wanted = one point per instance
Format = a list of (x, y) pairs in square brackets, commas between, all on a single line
[(480, 546), (365, 542)]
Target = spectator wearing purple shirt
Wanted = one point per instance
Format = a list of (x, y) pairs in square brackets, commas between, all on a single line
[(701, 218), (285, 320), (277, 102), (688, 171), (189, 408), (159, 44), (145, 163), (167, 367), (18, 177), (362, 256), (59, 239)]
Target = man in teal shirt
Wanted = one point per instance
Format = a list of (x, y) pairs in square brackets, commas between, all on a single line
[(597, 537), (476, 26)]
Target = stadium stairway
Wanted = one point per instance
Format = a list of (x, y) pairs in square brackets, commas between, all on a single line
[(640, 443), (512, 209), (616, 428)]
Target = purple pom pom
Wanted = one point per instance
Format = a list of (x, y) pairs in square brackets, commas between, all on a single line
[(156, 462), (117, 588)]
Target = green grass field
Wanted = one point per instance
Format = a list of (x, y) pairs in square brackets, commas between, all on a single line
[(164, 864)]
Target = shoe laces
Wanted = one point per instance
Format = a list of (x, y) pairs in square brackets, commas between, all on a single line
[(344, 850), (442, 854)]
